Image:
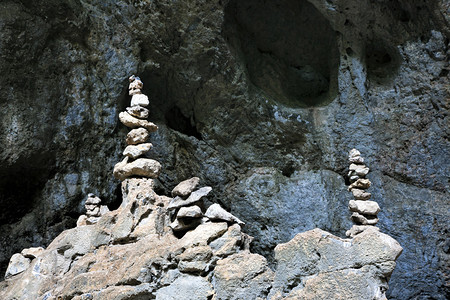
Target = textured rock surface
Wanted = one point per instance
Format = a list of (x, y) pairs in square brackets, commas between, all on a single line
[(222, 85), (115, 259)]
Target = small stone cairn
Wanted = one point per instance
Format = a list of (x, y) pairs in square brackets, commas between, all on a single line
[(93, 210), (364, 211), (187, 207), (135, 118)]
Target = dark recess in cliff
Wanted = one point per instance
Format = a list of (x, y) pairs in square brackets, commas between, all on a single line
[(288, 48)]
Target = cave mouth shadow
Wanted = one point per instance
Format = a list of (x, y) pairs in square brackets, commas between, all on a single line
[(288, 48)]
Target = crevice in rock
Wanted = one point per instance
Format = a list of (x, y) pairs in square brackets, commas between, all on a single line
[(177, 121), (288, 48)]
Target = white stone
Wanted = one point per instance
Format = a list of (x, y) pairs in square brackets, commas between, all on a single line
[(364, 207), (354, 153), (364, 220), (32, 252), (140, 167), (216, 212), (133, 122), (360, 194), (194, 197), (190, 212), (137, 136), (92, 199), (134, 151), (360, 184), (186, 187), (139, 99), (138, 111), (17, 264), (357, 229)]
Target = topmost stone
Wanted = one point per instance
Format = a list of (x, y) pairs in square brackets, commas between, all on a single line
[(354, 153), (135, 85)]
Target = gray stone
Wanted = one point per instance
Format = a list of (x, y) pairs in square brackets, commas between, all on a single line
[(190, 212), (137, 136), (360, 184), (138, 112), (139, 99), (193, 198), (195, 259), (360, 219), (185, 188), (359, 194), (17, 264), (356, 160), (357, 229), (216, 212), (140, 167), (134, 151), (364, 207), (242, 276), (132, 122), (360, 170), (92, 199), (188, 287)]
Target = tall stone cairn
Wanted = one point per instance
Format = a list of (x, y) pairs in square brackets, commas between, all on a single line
[(135, 117), (364, 211)]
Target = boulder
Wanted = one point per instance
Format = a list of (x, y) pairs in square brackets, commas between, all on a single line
[(134, 151), (140, 167), (17, 264), (185, 188), (186, 287), (137, 136), (132, 122), (242, 276)]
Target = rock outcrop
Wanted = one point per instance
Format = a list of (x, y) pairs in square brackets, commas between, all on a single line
[(157, 247), (259, 99)]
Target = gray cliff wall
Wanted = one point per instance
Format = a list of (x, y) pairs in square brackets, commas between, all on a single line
[(261, 101)]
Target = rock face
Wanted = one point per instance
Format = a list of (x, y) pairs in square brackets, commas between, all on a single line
[(259, 99), (132, 253)]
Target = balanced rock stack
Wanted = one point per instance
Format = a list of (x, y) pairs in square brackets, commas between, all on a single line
[(135, 117), (364, 211), (188, 209), (93, 210)]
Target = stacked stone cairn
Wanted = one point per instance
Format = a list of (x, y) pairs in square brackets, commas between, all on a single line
[(364, 211), (93, 210), (135, 118), (188, 210)]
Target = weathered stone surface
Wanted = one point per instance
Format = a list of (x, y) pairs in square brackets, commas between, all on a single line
[(32, 253), (185, 188), (195, 259), (360, 184), (92, 199), (139, 99), (137, 136), (242, 276), (183, 224), (229, 243), (190, 212), (360, 170), (360, 219), (216, 212), (364, 207), (138, 189), (140, 167), (204, 234), (394, 110), (138, 111), (132, 122), (17, 264), (318, 254), (134, 151), (360, 194), (193, 198), (356, 229), (188, 287)]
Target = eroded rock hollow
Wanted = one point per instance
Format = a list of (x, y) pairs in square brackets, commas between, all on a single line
[(260, 100)]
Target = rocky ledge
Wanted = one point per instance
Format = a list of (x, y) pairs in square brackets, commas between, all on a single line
[(135, 252)]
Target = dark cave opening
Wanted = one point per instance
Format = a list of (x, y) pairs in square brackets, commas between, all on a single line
[(289, 49), (382, 61), (179, 122)]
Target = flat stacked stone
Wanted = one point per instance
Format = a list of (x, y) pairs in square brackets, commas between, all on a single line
[(94, 210), (364, 211), (134, 164), (188, 208)]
